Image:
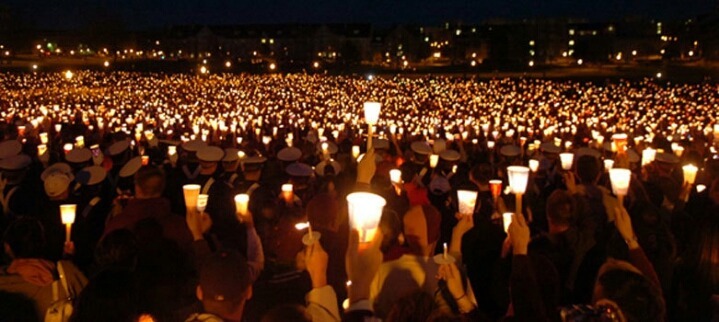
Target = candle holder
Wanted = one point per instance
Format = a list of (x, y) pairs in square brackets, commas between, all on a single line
[(241, 206), (365, 211), (202, 202), (288, 193), (620, 179), (690, 173), (518, 178), (433, 160), (507, 220), (648, 156), (534, 165), (444, 258), (191, 192), (567, 160), (371, 117), (67, 216), (467, 200), (311, 236)]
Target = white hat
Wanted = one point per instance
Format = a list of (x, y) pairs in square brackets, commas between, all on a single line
[(421, 148), (79, 155), (231, 155), (299, 170), (91, 175), (587, 151), (56, 184), (378, 143), (60, 167), (254, 160), (320, 167), (550, 147), (439, 146), (450, 155), (510, 151), (131, 167), (667, 158), (193, 145), (118, 147), (9, 148), (289, 154), (15, 162), (210, 154)]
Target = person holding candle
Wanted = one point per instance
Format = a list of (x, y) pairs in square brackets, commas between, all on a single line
[(30, 273)]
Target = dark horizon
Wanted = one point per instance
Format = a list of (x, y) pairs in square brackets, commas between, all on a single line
[(138, 14)]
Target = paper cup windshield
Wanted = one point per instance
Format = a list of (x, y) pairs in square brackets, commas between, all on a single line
[(365, 211), (518, 178)]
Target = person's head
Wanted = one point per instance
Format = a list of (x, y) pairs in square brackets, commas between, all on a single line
[(225, 284), (117, 249), (481, 174), (109, 296), (287, 313), (588, 169), (17, 307), (322, 212), (704, 250), (149, 183), (421, 228), (560, 210), (391, 226), (621, 285), (25, 238)]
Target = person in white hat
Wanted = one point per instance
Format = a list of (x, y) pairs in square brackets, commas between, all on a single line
[(93, 207), (15, 192), (231, 166)]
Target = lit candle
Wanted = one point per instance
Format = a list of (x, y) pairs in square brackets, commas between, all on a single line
[(190, 193), (467, 200), (620, 179), (690, 173), (567, 160), (311, 236), (43, 138), (67, 215), (490, 144), (287, 193), (202, 202), (145, 160), (21, 130), (41, 149), (241, 204), (395, 176), (67, 148), (433, 160), (507, 220), (355, 151), (371, 116), (365, 211), (444, 254), (171, 150), (608, 164), (518, 178), (533, 165), (495, 187), (701, 188), (648, 156), (620, 140)]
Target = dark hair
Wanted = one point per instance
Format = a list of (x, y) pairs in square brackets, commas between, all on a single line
[(482, 173), (635, 295), (704, 251), (26, 238), (287, 313), (560, 208), (118, 249), (150, 180), (17, 307), (588, 169), (110, 296), (416, 306)]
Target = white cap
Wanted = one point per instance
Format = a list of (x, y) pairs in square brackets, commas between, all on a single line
[(79, 155), (587, 151), (439, 146), (289, 154), (254, 160), (9, 148), (57, 168), (299, 170), (118, 147), (15, 162), (131, 167), (231, 155), (91, 175), (56, 183), (421, 148), (210, 154), (450, 155), (667, 158), (320, 167), (510, 151), (193, 145), (550, 147)]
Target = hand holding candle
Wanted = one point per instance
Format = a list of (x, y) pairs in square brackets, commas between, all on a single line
[(311, 236)]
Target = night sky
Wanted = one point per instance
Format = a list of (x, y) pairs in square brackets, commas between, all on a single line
[(142, 14)]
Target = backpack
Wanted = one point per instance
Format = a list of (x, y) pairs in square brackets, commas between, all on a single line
[(61, 308)]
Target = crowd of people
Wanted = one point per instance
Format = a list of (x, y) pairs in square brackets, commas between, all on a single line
[(124, 148)]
